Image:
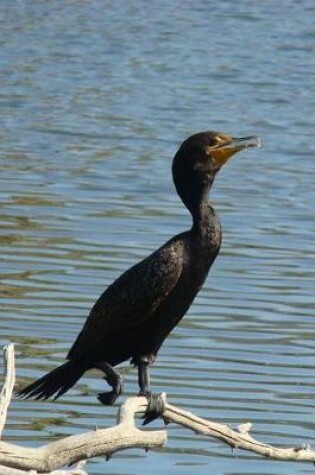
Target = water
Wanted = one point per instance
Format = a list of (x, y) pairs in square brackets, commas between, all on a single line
[(95, 98)]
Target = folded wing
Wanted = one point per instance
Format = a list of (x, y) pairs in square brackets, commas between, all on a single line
[(131, 300)]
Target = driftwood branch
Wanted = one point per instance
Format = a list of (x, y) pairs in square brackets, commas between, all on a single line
[(6, 392), (48, 459), (5, 398), (236, 439), (87, 445)]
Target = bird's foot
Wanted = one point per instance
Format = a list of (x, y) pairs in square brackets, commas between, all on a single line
[(115, 381), (155, 408), (108, 398)]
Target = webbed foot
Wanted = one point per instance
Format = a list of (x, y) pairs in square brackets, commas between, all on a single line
[(155, 408), (114, 379), (108, 398)]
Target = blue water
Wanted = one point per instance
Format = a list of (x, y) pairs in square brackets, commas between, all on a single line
[(95, 98)]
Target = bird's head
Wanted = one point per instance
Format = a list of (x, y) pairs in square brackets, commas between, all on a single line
[(207, 152), (201, 156)]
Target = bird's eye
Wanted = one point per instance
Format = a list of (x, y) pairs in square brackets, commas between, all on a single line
[(219, 141), (216, 142)]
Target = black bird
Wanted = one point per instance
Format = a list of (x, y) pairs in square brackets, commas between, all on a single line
[(134, 315)]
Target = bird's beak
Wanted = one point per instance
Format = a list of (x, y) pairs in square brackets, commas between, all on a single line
[(222, 152)]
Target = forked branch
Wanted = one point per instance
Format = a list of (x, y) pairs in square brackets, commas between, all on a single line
[(49, 458)]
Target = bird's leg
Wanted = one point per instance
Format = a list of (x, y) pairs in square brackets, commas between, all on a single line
[(156, 403), (144, 377), (114, 379)]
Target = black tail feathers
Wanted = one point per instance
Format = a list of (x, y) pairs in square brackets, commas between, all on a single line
[(55, 383)]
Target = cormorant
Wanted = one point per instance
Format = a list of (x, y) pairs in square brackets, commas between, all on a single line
[(134, 315)]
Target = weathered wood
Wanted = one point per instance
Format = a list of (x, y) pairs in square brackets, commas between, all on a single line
[(47, 459), (78, 470), (236, 439), (9, 380), (50, 458)]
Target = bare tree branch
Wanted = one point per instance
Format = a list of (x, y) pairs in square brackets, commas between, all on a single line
[(49, 459), (6, 391), (16, 460), (87, 445), (238, 438), (78, 470)]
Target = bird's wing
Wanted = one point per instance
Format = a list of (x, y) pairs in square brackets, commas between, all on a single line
[(132, 298)]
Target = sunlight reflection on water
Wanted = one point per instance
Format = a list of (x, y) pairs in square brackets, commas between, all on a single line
[(94, 106)]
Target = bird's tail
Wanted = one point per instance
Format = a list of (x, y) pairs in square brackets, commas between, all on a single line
[(55, 383)]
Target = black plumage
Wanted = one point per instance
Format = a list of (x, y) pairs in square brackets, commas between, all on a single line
[(135, 314)]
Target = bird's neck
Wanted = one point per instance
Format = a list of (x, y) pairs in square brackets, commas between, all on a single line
[(194, 192), (204, 218), (197, 202), (205, 232)]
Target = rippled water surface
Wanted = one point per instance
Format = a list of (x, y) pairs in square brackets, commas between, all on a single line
[(95, 98)]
